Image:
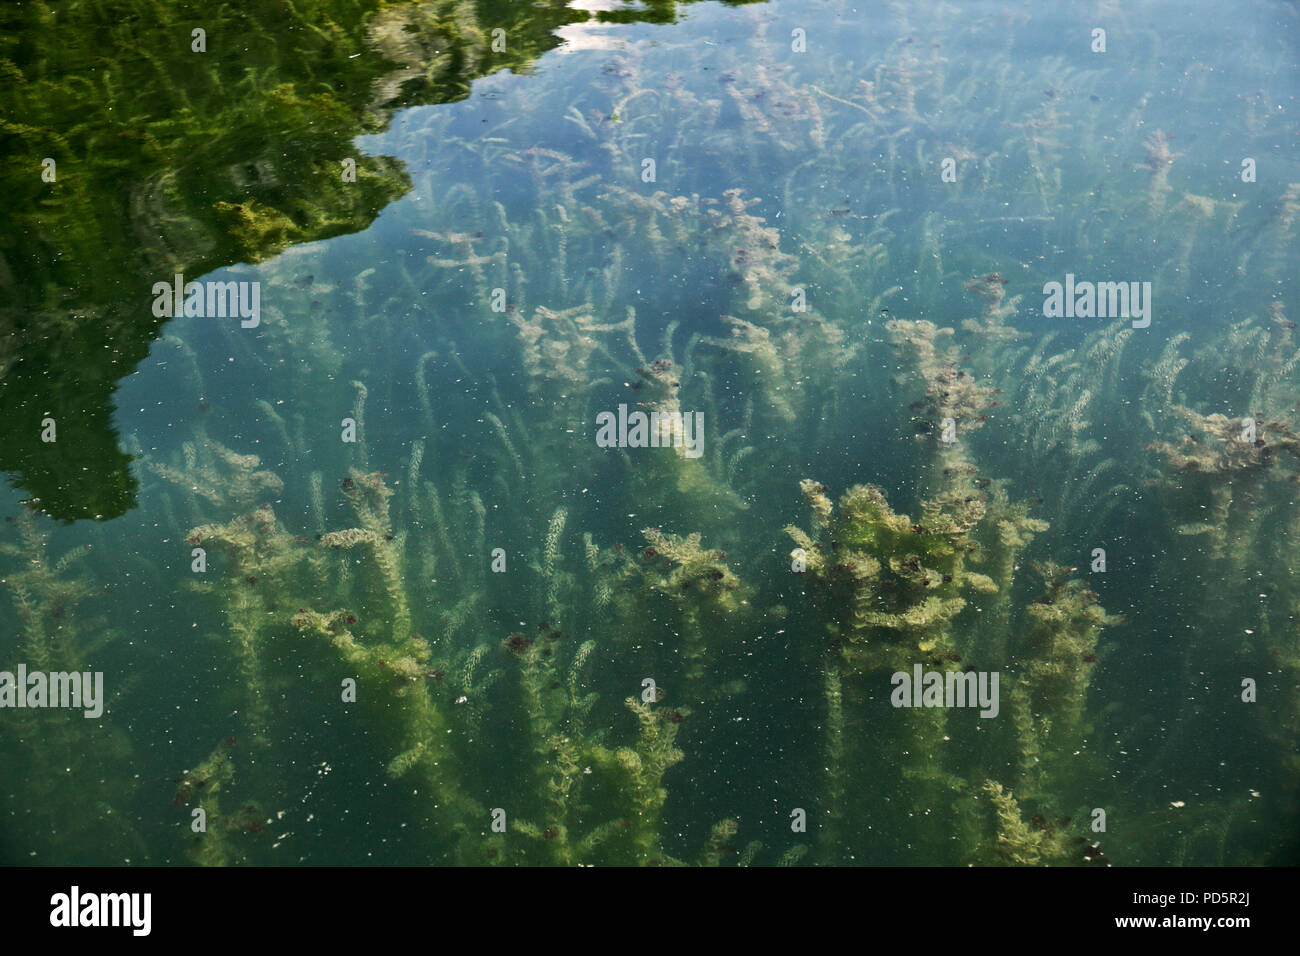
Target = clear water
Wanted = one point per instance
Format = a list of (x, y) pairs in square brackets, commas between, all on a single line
[(463, 680)]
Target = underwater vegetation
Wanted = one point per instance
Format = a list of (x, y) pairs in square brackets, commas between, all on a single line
[(911, 573), (166, 159)]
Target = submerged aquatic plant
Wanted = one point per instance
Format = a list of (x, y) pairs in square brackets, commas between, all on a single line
[(536, 649)]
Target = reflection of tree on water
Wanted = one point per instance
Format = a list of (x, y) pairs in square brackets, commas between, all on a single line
[(172, 161)]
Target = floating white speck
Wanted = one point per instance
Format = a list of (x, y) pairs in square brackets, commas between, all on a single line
[(1178, 804)]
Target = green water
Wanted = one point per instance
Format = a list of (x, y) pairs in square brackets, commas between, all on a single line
[(371, 579)]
